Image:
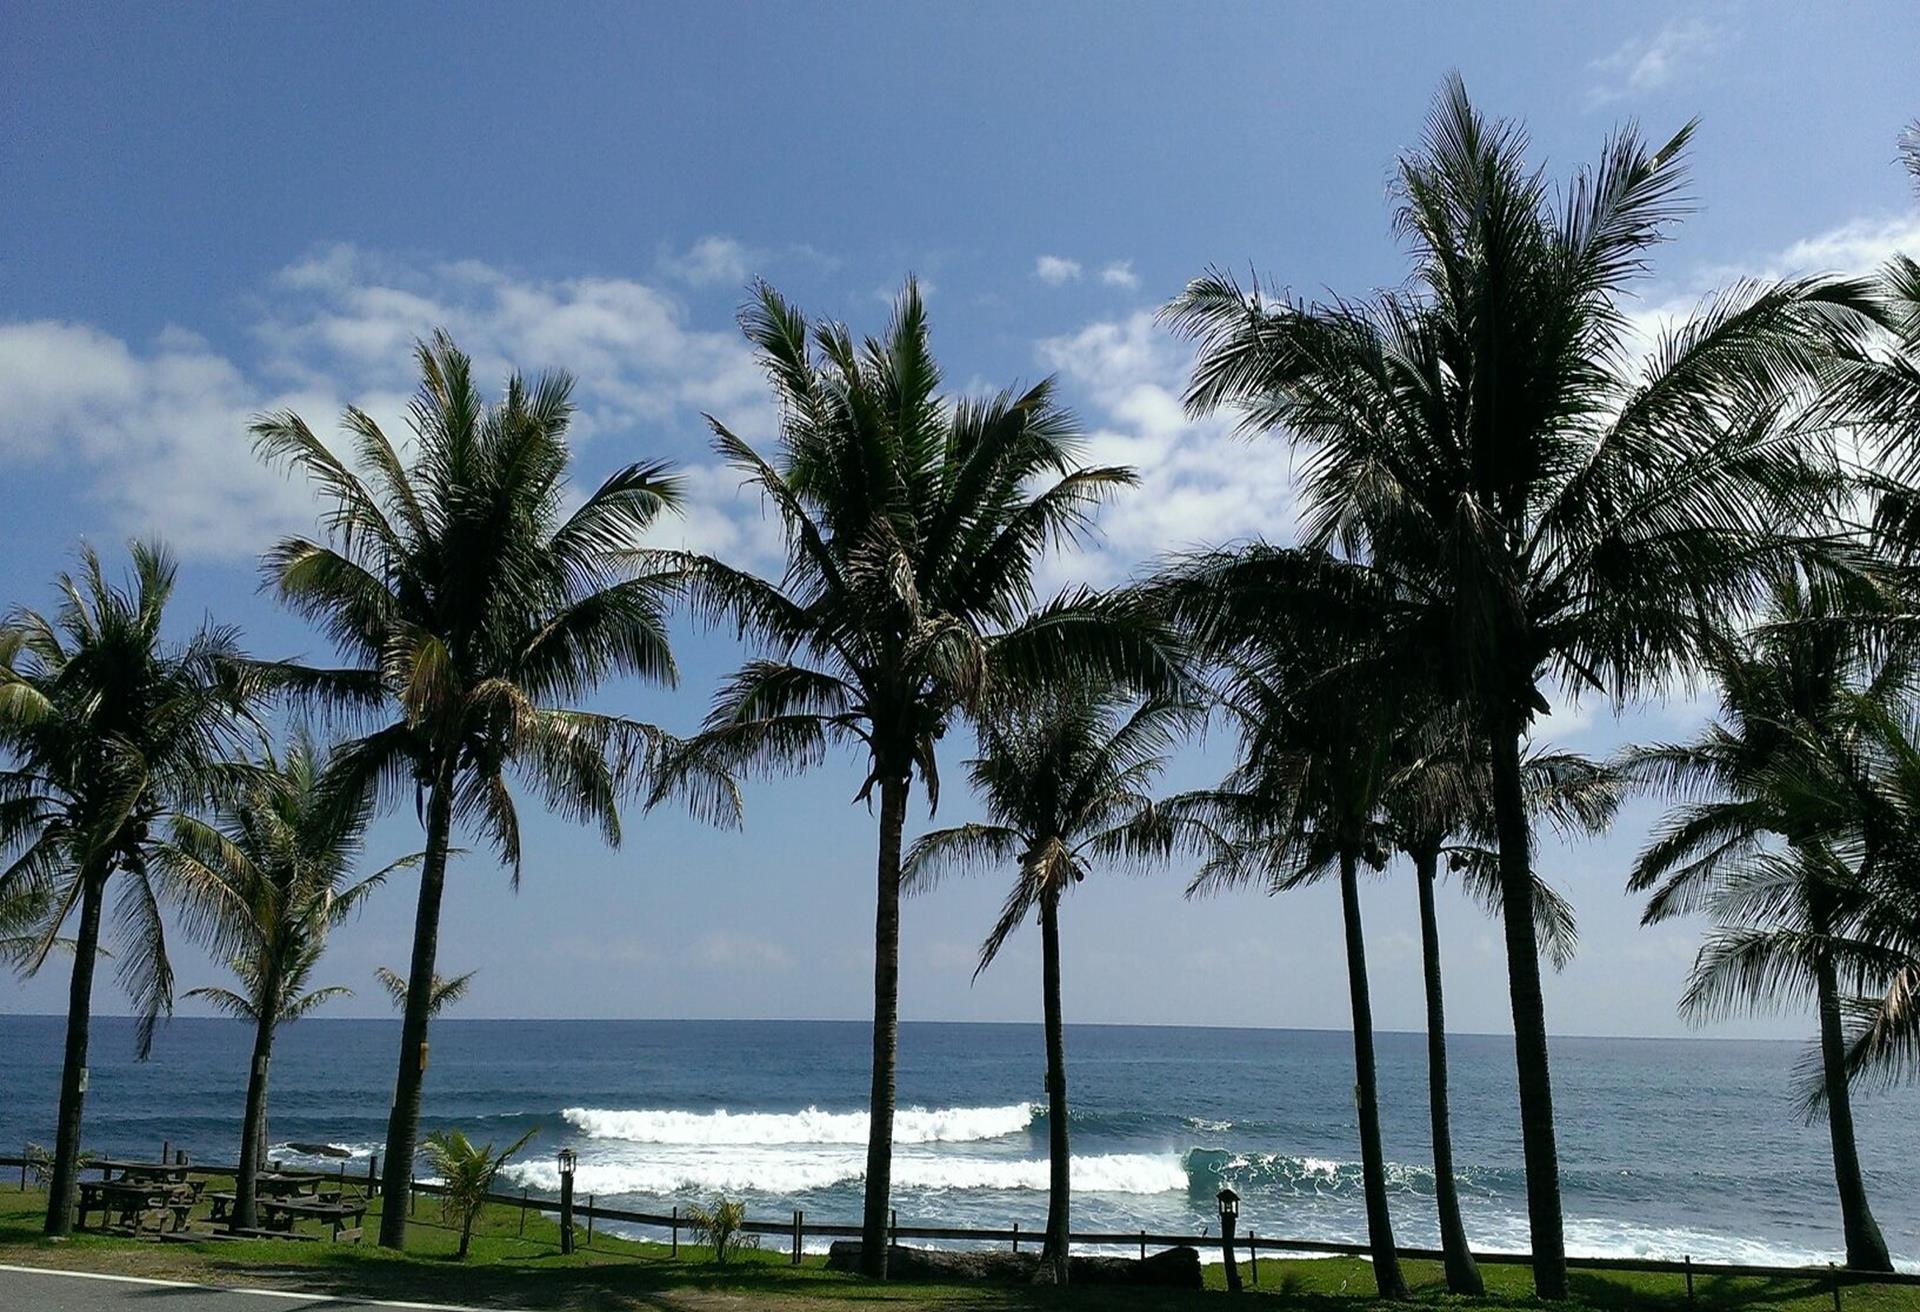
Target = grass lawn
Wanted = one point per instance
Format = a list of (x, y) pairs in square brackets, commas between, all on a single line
[(509, 1271)]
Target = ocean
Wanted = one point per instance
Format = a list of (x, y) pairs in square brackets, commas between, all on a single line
[(1667, 1147)]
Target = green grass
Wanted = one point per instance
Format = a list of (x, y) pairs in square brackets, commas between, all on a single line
[(507, 1270)]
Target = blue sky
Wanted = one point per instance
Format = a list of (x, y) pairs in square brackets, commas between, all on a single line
[(213, 210)]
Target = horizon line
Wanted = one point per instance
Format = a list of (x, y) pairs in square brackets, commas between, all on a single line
[(844, 1020)]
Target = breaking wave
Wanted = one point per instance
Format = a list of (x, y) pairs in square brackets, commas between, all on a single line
[(911, 1125)]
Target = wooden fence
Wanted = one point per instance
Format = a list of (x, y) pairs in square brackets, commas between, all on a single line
[(797, 1230)]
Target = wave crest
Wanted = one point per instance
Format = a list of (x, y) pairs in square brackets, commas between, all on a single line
[(911, 1125)]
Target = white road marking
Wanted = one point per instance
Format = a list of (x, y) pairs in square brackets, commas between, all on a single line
[(309, 1296)]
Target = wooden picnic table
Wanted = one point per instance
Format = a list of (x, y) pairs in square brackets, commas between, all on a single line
[(142, 1172), (277, 1185), (347, 1216), (140, 1205)]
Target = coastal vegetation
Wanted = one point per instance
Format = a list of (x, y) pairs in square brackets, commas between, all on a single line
[(1513, 495), (466, 1172)]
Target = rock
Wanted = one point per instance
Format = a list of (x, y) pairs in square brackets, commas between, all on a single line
[(1173, 1268), (320, 1149)]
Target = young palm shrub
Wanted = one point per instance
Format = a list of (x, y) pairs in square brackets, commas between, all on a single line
[(1784, 765), (913, 526), (471, 606), (284, 849), (110, 732), (718, 1227), (1065, 777), (466, 1172), (444, 993), (1562, 511)]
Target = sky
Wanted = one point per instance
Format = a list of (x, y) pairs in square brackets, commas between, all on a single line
[(211, 211)]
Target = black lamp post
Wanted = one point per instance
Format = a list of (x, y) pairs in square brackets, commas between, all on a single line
[(567, 1163), (1229, 1213)]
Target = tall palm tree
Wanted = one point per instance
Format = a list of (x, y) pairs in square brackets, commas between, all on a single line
[(1065, 780), (1566, 509), (1320, 734), (471, 606), (1782, 765), (1438, 806), (914, 523), (109, 731), (285, 850)]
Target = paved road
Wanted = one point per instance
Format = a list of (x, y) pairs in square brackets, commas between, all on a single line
[(23, 1290)]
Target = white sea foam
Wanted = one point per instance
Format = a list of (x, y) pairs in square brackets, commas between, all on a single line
[(796, 1171), (911, 1125)]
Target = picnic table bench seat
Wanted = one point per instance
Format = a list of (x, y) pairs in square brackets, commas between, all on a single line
[(347, 1218)]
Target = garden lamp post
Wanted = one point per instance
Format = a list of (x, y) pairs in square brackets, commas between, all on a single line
[(567, 1163), (1229, 1213)]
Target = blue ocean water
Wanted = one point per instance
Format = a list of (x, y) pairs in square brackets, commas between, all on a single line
[(1668, 1147)]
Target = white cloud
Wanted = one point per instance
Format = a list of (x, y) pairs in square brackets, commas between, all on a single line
[(158, 429), (1200, 482), (1054, 270), (1647, 64), (713, 260), (1120, 274), (734, 951)]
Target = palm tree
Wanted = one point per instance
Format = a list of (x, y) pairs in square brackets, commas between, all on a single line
[(110, 732), (470, 606), (466, 1172), (913, 526), (1435, 802), (1064, 778), (1784, 763), (1320, 734), (285, 849), (1561, 510), (444, 993)]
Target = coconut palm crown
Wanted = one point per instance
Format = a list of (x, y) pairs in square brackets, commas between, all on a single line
[(472, 605)]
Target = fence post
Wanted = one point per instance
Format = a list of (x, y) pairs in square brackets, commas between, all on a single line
[(1016, 1236), (1836, 1285), (676, 1231), (166, 1151), (1253, 1256), (589, 1220), (412, 1197), (798, 1225), (1143, 1245), (524, 1195), (893, 1229), (1688, 1259), (373, 1174), (26, 1155)]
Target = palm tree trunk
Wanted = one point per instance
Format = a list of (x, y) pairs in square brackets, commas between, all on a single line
[(403, 1124), (253, 1127), (73, 1070), (1515, 831), (886, 1028), (1866, 1249), (1463, 1274), (1059, 1162), (1366, 1092)]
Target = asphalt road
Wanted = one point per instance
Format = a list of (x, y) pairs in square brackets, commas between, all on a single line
[(23, 1290)]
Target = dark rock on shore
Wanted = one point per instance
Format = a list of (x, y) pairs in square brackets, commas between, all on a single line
[(1173, 1268)]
